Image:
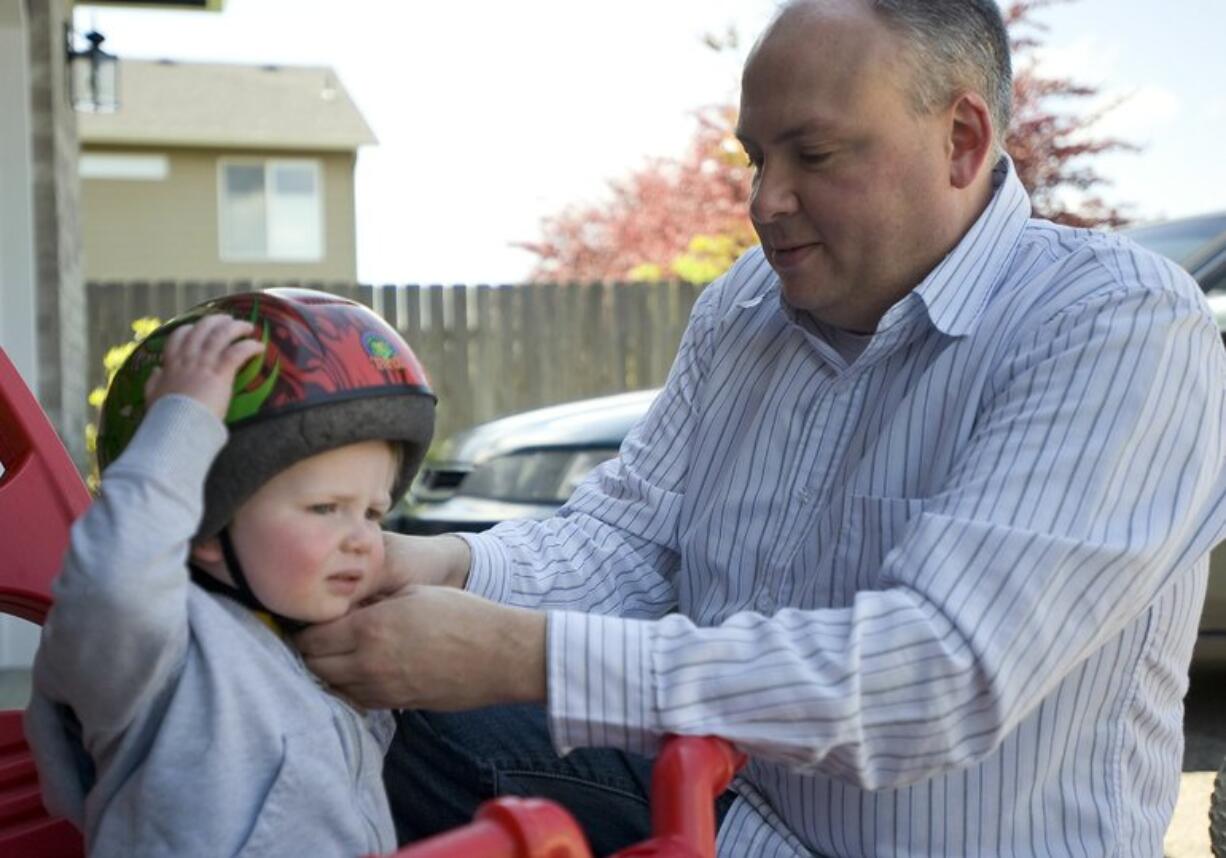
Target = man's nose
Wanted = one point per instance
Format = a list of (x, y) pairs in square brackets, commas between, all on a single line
[(773, 195)]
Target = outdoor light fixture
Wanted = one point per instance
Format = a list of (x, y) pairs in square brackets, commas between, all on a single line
[(93, 76)]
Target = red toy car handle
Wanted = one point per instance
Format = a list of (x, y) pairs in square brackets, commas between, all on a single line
[(508, 828), (690, 772)]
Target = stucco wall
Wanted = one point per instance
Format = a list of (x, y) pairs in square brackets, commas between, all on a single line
[(168, 228), (18, 298), (61, 293)]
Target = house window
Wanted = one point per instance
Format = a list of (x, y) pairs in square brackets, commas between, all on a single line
[(271, 211)]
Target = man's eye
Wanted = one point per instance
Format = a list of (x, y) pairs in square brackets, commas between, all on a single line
[(322, 508), (814, 159)]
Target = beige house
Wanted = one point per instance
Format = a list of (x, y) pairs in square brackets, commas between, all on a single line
[(214, 171)]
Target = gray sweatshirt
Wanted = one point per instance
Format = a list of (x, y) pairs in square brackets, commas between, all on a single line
[(169, 721)]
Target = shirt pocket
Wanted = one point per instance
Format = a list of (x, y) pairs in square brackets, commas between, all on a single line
[(868, 529)]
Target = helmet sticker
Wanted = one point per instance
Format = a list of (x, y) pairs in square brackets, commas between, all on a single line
[(381, 352)]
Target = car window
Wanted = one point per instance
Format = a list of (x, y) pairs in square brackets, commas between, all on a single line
[(1180, 240), (1213, 277), (533, 476)]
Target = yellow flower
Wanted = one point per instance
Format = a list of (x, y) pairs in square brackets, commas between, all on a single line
[(111, 362)]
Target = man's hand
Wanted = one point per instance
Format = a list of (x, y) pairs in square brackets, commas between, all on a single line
[(435, 560), (435, 648), (200, 360)]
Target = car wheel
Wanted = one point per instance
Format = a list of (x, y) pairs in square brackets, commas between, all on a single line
[(1217, 814)]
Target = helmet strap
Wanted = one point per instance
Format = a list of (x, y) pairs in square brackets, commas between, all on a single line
[(241, 592)]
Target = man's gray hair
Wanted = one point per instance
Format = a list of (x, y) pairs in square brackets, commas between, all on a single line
[(955, 44)]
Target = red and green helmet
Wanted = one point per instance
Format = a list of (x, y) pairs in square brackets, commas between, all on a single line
[(332, 373)]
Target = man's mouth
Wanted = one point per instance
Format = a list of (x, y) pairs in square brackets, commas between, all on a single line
[(788, 256)]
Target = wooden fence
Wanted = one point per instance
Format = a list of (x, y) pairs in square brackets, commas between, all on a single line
[(489, 350)]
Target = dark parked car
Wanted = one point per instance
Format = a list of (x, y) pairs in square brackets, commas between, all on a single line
[(526, 465), (1196, 243), (522, 466)]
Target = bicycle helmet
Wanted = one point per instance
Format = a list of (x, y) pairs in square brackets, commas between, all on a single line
[(332, 373)]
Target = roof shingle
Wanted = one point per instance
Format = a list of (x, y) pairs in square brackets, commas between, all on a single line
[(226, 105)]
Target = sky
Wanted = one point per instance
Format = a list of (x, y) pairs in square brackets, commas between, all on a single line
[(491, 115)]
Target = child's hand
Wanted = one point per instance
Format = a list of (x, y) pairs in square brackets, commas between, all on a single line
[(201, 360)]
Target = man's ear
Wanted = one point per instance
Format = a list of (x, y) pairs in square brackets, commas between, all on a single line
[(970, 138), (207, 551)]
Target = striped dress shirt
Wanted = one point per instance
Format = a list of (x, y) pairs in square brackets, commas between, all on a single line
[(944, 596)]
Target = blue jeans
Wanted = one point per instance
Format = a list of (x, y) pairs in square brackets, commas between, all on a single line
[(441, 766)]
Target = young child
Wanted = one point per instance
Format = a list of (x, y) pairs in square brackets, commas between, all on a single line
[(171, 716)]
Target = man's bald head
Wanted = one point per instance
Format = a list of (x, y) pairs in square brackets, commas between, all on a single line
[(954, 45)]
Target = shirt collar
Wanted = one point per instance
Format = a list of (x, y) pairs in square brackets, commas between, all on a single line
[(955, 292)]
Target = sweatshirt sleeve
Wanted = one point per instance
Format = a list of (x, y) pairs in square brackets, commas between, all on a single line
[(117, 632)]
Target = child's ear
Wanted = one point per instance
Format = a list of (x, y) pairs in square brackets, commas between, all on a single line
[(207, 550)]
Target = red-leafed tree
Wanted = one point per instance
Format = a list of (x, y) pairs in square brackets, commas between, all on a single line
[(1052, 150), (674, 217), (685, 218)]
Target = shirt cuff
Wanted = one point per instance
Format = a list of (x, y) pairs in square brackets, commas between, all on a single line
[(601, 683), (487, 570)]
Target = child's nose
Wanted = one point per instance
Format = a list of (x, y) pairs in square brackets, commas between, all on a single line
[(361, 537)]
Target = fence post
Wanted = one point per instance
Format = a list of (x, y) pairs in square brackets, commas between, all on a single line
[(595, 357), (620, 330), (661, 333), (460, 384), (547, 344), (433, 352), (412, 324), (528, 338), (166, 300), (640, 337), (510, 388), (569, 347), (486, 379)]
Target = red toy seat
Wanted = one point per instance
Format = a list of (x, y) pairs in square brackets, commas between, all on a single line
[(41, 494)]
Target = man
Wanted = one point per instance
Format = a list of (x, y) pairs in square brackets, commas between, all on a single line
[(919, 521)]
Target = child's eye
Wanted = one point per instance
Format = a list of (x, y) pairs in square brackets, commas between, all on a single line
[(322, 508), (374, 514)]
